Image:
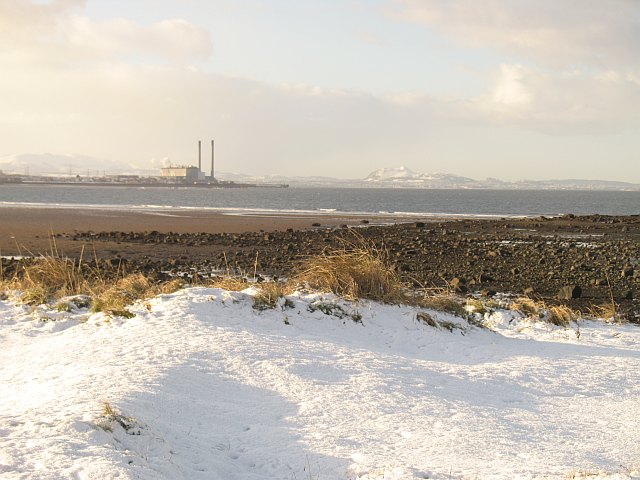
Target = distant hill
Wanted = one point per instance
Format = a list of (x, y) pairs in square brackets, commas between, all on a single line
[(62, 164), (406, 178), (402, 176), (390, 177)]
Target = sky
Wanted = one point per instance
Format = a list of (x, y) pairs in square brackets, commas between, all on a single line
[(513, 89)]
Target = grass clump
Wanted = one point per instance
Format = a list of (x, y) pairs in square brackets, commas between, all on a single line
[(233, 284), (334, 310), (125, 291), (528, 307), (444, 302), (355, 271), (608, 311), (561, 315), (48, 277), (477, 306), (77, 284), (268, 295), (110, 417), (432, 322)]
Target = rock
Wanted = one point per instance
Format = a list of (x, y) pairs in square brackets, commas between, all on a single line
[(419, 224), (569, 292), (115, 262), (485, 278), (458, 284), (627, 272)]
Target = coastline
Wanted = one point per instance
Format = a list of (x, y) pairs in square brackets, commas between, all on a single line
[(479, 256), (29, 228)]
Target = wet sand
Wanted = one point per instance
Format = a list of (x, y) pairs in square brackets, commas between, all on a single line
[(29, 229)]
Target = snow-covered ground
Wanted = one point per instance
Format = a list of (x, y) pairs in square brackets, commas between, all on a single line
[(214, 389)]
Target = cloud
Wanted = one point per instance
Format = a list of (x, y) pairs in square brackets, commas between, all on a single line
[(566, 33), (368, 37), (567, 102), (577, 69), (74, 84), (57, 33)]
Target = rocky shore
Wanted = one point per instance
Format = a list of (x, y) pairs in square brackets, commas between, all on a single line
[(581, 261)]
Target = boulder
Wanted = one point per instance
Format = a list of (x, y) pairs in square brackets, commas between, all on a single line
[(458, 284), (569, 292)]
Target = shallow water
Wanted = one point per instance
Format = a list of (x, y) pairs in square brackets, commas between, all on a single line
[(326, 200)]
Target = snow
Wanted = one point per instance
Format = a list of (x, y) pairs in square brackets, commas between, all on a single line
[(210, 388), (406, 177)]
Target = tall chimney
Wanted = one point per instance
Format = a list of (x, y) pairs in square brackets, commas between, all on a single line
[(212, 176), (199, 156)]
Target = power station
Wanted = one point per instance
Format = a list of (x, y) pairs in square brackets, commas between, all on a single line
[(171, 176), (191, 174)]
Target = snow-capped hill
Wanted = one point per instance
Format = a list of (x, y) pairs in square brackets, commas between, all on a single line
[(397, 173), (404, 176)]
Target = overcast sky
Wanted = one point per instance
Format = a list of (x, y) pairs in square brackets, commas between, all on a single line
[(514, 89)]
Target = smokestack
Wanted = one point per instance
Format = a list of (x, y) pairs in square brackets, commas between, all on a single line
[(199, 156), (212, 176)]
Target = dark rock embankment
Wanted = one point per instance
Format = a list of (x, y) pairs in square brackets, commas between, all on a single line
[(580, 261)]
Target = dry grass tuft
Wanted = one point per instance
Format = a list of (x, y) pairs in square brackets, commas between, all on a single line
[(268, 295), (478, 306), (608, 311), (357, 270), (124, 292), (48, 277), (233, 284), (527, 307), (561, 315), (445, 302), (111, 416)]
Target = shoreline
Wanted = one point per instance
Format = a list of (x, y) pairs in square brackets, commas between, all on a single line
[(264, 212), (599, 253), (29, 228)]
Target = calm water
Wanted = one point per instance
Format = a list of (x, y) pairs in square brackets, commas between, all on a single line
[(374, 200)]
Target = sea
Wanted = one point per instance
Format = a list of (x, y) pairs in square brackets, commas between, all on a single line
[(361, 201)]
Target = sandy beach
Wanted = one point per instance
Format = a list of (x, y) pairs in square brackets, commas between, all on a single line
[(30, 228)]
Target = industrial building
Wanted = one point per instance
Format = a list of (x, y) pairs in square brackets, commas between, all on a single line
[(189, 174), (182, 173)]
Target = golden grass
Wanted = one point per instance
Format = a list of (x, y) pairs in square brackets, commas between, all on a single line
[(49, 278), (607, 311), (357, 270), (268, 295), (561, 315), (124, 292), (444, 302), (233, 284), (527, 306), (478, 306), (110, 416)]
